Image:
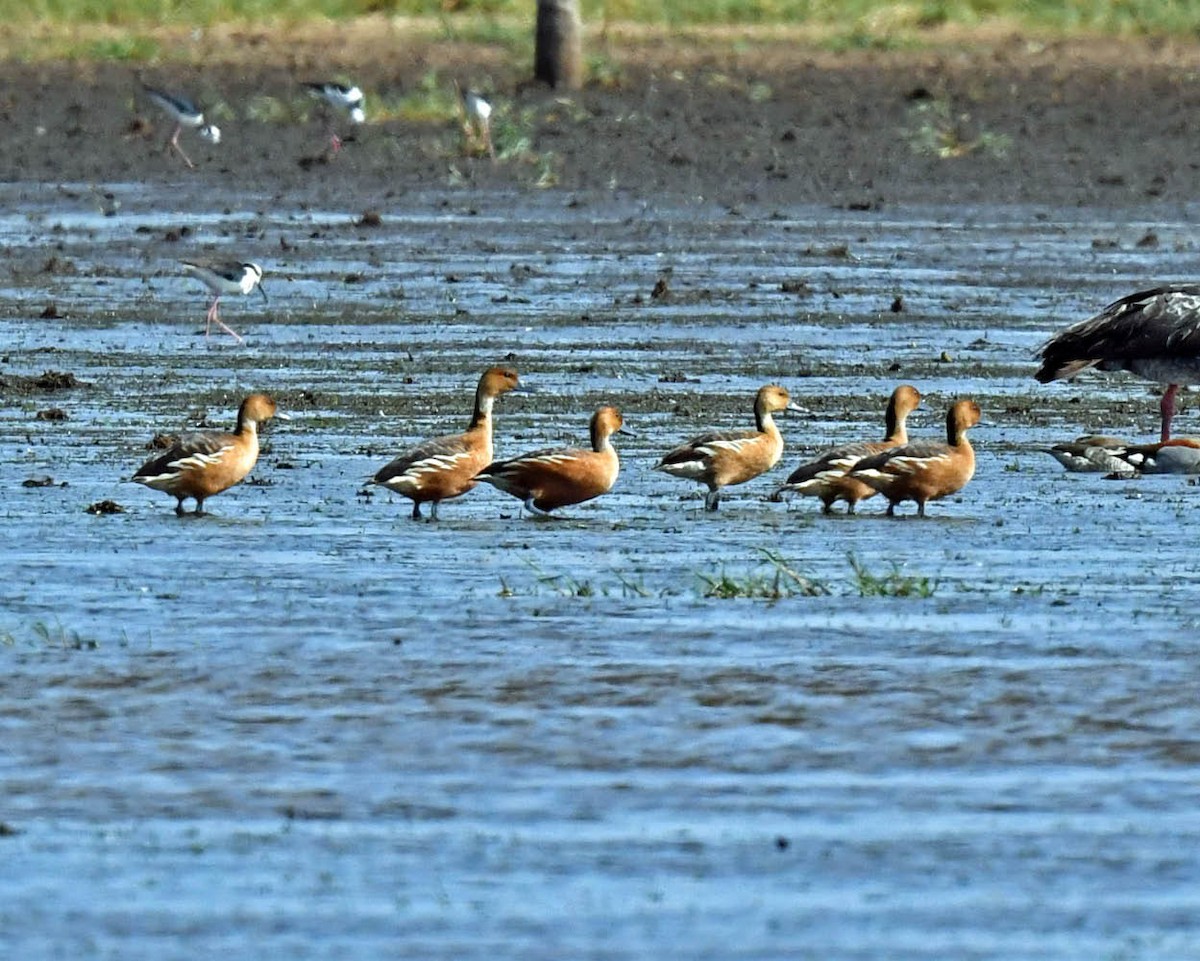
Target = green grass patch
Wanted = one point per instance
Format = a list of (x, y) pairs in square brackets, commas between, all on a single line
[(892, 583), (773, 580), (858, 22)]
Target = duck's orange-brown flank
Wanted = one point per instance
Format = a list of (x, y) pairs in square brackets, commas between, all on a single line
[(446, 467), (724, 458), (203, 464), (558, 477), (924, 472), (827, 476)]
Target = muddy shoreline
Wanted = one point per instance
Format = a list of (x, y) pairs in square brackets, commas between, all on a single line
[(1082, 121)]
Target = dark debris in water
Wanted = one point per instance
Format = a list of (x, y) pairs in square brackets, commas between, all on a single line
[(105, 507), (53, 414), (42, 480), (49, 380)]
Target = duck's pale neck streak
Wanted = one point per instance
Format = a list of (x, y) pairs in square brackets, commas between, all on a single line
[(956, 432), (601, 437), (897, 428), (246, 425), (765, 421), (482, 418)]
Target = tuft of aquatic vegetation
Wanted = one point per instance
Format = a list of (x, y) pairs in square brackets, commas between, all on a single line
[(936, 129), (51, 635), (894, 583), (773, 581)]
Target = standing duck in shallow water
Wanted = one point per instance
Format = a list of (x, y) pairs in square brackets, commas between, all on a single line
[(827, 477), (723, 458), (558, 477), (203, 464), (446, 467), (1153, 334), (924, 472)]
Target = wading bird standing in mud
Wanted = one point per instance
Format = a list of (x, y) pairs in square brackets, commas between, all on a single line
[(545, 480), (477, 120), (1153, 334), (339, 97), (446, 467), (226, 277), (724, 458), (184, 113), (203, 464)]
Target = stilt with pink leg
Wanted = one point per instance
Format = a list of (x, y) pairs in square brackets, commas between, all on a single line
[(230, 277), (184, 113)]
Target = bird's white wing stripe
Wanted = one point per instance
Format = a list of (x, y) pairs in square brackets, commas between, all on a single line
[(435, 464), (199, 461)]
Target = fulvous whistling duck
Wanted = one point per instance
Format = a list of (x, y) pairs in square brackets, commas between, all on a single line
[(826, 476), (557, 477), (445, 467), (924, 472), (1153, 334), (203, 464), (724, 458)]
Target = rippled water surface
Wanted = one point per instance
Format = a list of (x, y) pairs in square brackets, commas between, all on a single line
[(306, 726)]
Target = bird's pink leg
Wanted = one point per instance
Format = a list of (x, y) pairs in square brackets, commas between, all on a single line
[(1167, 406), (173, 144), (214, 318)]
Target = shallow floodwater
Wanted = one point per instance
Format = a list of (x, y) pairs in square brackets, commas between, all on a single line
[(305, 726)]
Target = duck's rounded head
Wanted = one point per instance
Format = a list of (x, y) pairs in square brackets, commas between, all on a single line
[(257, 408), (963, 414), (498, 380), (905, 399), (773, 398), (606, 422)]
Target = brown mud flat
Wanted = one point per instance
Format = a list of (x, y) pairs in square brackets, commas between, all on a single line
[(1094, 121)]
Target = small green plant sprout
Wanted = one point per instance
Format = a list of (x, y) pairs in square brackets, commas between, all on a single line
[(936, 129), (777, 581), (892, 584)]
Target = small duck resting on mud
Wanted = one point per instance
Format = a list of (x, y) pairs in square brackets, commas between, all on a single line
[(1099, 453)]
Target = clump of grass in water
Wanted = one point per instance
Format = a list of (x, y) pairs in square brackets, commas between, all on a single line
[(780, 580), (52, 635), (891, 584), (936, 130)]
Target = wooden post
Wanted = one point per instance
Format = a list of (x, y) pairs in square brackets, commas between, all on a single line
[(558, 57)]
